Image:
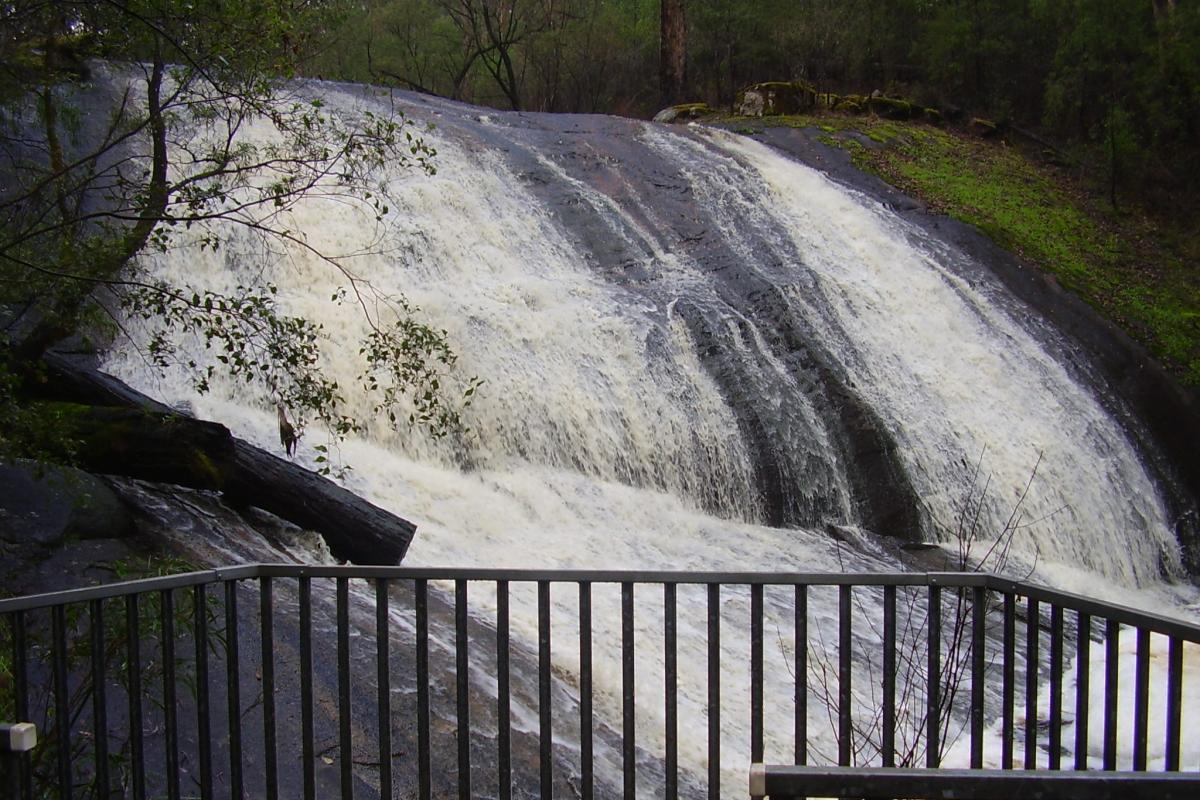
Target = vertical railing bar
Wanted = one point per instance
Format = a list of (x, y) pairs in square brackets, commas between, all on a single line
[(170, 721), (714, 691), (887, 743), (21, 690), (670, 690), (462, 688), (99, 699), (1112, 654), (545, 712), (203, 723), (844, 676), (1141, 699), (266, 618), (62, 712), (306, 688), (345, 720), (383, 686), (1008, 688), (587, 784), (756, 673), (978, 607), (1056, 686), (503, 693), (628, 721), (933, 702), (421, 608), (1032, 666), (800, 736), (233, 691), (1082, 672), (133, 660), (1174, 702)]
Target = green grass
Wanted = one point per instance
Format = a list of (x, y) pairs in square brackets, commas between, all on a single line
[(1121, 264)]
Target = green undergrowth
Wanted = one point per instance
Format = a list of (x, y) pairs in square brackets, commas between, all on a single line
[(1120, 263)]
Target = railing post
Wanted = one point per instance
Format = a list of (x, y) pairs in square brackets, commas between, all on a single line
[(714, 691), (16, 739)]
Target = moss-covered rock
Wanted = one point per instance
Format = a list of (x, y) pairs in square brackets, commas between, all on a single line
[(893, 108), (683, 112), (932, 116), (849, 105), (984, 127), (775, 98)]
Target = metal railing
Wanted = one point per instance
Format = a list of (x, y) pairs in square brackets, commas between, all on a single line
[(322, 681)]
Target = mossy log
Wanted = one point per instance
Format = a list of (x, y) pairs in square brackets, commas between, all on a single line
[(153, 446)]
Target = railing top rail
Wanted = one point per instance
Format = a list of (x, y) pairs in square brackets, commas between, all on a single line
[(1122, 614), (1126, 615), (106, 591)]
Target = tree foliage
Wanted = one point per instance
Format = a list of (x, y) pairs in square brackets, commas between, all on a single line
[(1119, 76), (85, 198)]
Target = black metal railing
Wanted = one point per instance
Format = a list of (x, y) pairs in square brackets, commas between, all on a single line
[(321, 681)]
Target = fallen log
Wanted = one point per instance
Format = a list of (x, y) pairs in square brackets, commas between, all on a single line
[(150, 445), (123, 432), (355, 530)]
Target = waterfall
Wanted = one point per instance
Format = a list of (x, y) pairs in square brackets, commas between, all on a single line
[(687, 338)]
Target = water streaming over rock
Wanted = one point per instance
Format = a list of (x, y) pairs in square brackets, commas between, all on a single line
[(698, 353)]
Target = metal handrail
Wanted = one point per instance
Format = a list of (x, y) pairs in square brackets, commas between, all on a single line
[(986, 617), (1126, 615)]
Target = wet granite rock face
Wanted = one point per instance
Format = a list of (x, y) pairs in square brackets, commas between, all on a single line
[(60, 528), (46, 505)]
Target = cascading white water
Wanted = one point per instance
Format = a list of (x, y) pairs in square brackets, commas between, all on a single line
[(603, 440), (952, 373)]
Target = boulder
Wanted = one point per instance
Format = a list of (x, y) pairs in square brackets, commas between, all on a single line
[(984, 127), (684, 112), (46, 505), (893, 108), (776, 97)]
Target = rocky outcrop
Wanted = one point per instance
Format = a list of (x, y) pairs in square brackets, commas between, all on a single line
[(684, 112), (47, 505), (776, 97)]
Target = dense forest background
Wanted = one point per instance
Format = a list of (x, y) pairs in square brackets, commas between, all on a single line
[(1118, 78)]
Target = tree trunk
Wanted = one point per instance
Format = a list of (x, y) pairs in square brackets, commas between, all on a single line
[(673, 53)]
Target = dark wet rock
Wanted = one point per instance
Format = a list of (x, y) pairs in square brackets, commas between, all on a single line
[(71, 566), (46, 505)]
